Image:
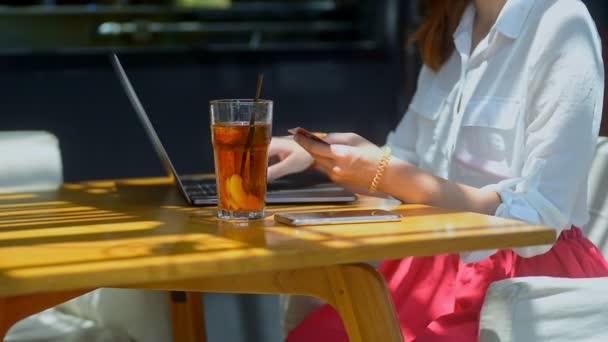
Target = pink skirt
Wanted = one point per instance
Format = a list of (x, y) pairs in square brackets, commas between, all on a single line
[(439, 298)]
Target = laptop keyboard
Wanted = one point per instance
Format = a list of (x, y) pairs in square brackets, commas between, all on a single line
[(205, 188), (201, 189)]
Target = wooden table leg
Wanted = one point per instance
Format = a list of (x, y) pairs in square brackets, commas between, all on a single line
[(14, 309), (358, 292), (364, 303), (188, 316)]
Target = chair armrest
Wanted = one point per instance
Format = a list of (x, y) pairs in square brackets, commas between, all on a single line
[(545, 309)]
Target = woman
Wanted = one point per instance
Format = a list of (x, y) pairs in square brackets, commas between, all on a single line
[(504, 122)]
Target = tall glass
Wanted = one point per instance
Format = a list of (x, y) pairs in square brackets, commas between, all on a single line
[(241, 156)]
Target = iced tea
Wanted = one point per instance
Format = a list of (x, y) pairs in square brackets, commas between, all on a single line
[(241, 188)]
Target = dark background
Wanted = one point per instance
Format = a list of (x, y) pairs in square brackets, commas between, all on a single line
[(353, 82), (80, 100), (71, 90), (354, 74)]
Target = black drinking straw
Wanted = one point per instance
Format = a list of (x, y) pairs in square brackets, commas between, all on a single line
[(252, 125)]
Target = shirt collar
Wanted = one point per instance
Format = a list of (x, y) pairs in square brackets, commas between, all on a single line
[(513, 16), (510, 21)]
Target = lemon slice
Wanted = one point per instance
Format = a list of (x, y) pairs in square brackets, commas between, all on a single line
[(239, 197)]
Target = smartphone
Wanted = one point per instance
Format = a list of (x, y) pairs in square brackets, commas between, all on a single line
[(307, 134), (337, 217)]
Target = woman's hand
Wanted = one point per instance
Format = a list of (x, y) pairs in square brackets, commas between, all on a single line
[(292, 158), (349, 160)]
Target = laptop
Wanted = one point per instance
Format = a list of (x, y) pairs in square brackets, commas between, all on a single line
[(305, 187)]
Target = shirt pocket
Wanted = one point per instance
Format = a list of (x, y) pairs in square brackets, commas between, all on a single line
[(492, 113), (429, 105), (431, 111), (487, 137)]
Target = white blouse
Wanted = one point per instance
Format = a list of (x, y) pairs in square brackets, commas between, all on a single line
[(519, 115)]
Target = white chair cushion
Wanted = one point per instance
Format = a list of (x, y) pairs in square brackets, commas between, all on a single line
[(29, 161), (537, 309)]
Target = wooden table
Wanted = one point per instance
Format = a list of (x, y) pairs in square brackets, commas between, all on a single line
[(139, 234)]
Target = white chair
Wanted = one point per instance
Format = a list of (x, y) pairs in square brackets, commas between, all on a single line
[(597, 228), (144, 316), (31, 161), (538, 309)]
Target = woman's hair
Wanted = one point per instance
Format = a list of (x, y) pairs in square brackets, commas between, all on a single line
[(434, 36)]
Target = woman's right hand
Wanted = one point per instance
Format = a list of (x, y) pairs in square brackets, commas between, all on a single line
[(292, 157)]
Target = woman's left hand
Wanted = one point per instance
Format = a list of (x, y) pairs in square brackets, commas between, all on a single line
[(349, 160)]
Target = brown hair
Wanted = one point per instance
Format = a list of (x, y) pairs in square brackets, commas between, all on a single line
[(434, 36)]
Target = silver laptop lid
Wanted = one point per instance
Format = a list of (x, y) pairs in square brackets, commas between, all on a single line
[(145, 120)]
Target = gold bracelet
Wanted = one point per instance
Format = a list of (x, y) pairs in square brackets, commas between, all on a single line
[(386, 157)]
